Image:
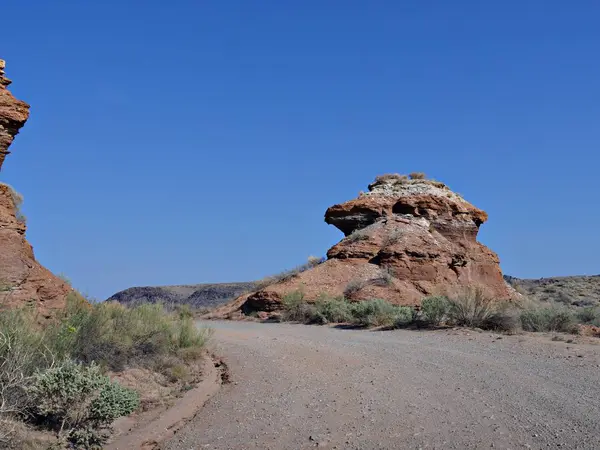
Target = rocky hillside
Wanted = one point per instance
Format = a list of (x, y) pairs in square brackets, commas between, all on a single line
[(406, 238), (22, 279), (577, 291), (196, 295)]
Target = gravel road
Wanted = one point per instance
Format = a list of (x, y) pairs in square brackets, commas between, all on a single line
[(297, 387)]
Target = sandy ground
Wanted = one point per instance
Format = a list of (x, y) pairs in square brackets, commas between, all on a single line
[(297, 387), (147, 430)]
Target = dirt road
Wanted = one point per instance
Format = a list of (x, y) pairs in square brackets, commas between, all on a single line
[(297, 387)]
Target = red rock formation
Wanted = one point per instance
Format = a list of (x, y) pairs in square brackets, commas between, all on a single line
[(405, 239), (22, 279), (13, 115)]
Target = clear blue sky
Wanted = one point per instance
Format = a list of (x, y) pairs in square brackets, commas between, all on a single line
[(201, 141)]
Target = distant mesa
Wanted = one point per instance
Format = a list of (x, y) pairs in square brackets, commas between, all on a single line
[(197, 296), (407, 237)]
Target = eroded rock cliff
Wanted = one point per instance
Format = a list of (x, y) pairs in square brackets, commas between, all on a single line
[(23, 281), (405, 238)]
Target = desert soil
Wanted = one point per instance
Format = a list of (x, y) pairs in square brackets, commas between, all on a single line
[(297, 387)]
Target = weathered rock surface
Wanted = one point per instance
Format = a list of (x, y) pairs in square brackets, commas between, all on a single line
[(23, 281), (404, 239), (13, 115)]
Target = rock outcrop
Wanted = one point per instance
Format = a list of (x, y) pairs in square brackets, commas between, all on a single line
[(23, 281), (405, 238)]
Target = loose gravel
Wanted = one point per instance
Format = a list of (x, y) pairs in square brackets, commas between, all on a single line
[(300, 387)]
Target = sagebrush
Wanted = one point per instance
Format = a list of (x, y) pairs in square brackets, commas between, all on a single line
[(54, 374)]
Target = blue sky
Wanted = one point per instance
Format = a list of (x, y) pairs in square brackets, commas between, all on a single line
[(186, 142)]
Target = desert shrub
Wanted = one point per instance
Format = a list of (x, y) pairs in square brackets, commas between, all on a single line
[(405, 315), (473, 307), (17, 199), (378, 312), (339, 310), (394, 177), (336, 310), (79, 402), (548, 319), (119, 337), (23, 349), (314, 261), (503, 318), (54, 373), (286, 275), (417, 176), (434, 309), (296, 309), (589, 316), (357, 235), (387, 276), (353, 288), (391, 238), (563, 297)]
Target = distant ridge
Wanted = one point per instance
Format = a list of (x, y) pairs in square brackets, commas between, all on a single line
[(196, 295)]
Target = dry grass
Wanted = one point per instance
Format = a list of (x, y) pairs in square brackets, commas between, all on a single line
[(109, 334), (17, 199), (353, 288), (357, 235), (393, 177), (474, 307), (286, 275)]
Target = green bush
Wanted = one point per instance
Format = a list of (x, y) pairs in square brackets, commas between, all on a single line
[(378, 312), (79, 401), (119, 337), (295, 309), (548, 319), (405, 316), (86, 337), (589, 316), (335, 310), (434, 309), (339, 310), (473, 307), (470, 308)]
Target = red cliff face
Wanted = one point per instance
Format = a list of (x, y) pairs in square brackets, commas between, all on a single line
[(13, 115), (23, 281), (404, 239)]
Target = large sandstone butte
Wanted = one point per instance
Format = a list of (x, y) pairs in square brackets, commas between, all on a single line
[(406, 238), (23, 281)]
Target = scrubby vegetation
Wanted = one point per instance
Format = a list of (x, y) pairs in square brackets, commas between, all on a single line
[(435, 309), (17, 199), (54, 376), (375, 312), (548, 319), (357, 235), (589, 316), (397, 179), (313, 261), (471, 307)]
